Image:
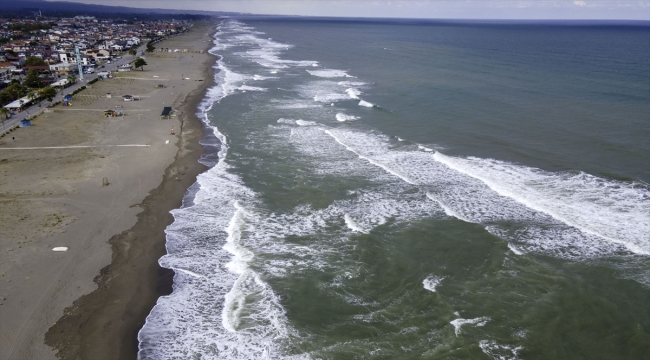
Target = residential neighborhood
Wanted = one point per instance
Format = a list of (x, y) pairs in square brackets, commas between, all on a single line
[(40, 56)]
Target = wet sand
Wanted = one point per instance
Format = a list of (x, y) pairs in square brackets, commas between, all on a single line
[(92, 300)]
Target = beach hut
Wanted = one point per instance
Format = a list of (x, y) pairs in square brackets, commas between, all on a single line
[(166, 113)]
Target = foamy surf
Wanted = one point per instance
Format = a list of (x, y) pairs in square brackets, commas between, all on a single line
[(432, 282), (605, 208), (459, 323), (344, 117), (365, 104), (352, 225), (498, 351), (328, 73), (353, 93), (214, 276)]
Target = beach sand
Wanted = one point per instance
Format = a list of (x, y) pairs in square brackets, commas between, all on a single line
[(92, 299)]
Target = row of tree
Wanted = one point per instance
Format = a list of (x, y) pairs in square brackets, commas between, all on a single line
[(16, 91), (32, 84), (30, 26)]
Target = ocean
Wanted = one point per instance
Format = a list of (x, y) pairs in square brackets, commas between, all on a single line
[(402, 189)]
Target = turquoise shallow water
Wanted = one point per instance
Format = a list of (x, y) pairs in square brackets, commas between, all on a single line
[(397, 189)]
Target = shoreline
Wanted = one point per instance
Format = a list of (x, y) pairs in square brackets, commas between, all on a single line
[(104, 324)]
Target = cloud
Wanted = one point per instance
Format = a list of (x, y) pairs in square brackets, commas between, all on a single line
[(580, 3)]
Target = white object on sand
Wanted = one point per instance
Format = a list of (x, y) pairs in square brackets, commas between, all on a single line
[(60, 248), (167, 142)]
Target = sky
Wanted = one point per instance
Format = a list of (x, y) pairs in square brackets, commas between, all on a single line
[(440, 9)]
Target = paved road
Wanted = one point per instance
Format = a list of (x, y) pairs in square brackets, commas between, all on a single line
[(16, 119)]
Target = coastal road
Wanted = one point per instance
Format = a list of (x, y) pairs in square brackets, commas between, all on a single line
[(16, 119)]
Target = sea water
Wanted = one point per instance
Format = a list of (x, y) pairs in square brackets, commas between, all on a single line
[(408, 189)]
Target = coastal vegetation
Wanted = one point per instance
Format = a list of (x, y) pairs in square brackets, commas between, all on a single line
[(139, 63), (33, 80), (34, 61)]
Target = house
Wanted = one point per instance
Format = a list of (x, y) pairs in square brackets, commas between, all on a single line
[(98, 54), (63, 67), (6, 71), (39, 68)]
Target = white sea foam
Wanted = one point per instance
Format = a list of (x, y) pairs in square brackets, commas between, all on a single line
[(305, 123), (352, 225), (343, 117), (472, 200), (514, 249), (366, 104), (498, 351), (251, 88), (260, 77), (458, 323), (424, 148), (333, 134), (605, 208), (349, 84), (353, 93), (329, 73), (286, 121), (431, 282), (296, 104)]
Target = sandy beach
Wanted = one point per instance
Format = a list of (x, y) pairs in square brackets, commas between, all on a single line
[(90, 301)]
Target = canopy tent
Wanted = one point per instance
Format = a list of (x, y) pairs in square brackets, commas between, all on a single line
[(166, 113)]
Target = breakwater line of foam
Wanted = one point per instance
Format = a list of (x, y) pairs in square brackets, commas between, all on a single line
[(615, 212), (370, 160)]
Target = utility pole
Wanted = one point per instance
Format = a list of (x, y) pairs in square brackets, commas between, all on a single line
[(81, 73)]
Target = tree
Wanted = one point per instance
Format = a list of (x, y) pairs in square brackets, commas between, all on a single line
[(32, 96), (12, 92), (139, 63), (4, 112), (133, 51), (32, 79), (34, 61), (72, 78), (48, 92), (150, 47)]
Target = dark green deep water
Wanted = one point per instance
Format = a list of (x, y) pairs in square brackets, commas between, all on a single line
[(489, 201)]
